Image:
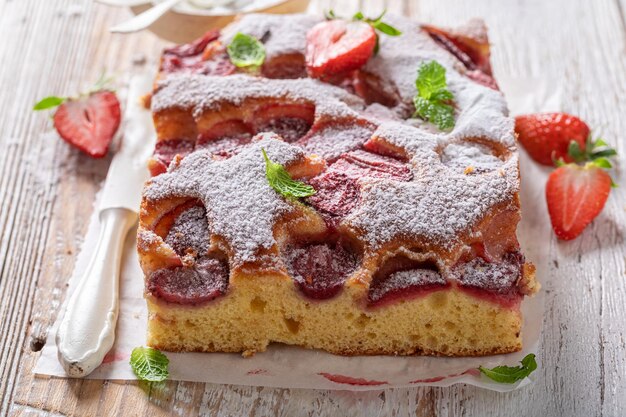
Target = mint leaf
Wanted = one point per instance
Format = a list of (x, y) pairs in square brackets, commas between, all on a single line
[(432, 102), (511, 374), (149, 364), (48, 103), (280, 180), (435, 112), (431, 79), (246, 51)]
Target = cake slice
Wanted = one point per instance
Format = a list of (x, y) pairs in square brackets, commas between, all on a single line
[(408, 245)]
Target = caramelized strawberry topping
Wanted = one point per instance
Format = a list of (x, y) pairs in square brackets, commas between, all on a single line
[(225, 138), (204, 281), (290, 121), (338, 189), (401, 277), (320, 270), (189, 58), (166, 150), (495, 281), (189, 232)]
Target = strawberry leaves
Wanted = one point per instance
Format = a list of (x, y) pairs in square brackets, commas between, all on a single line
[(595, 153), (49, 103), (433, 97)]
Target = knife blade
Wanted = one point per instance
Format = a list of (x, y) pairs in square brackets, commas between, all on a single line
[(87, 330)]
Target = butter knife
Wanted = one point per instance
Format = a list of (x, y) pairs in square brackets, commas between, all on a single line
[(87, 330)]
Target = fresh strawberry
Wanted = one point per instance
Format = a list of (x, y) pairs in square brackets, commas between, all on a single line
[(576, 195), (338, 46), (88, 122), (547, 136)]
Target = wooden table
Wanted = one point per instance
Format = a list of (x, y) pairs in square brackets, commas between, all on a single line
[(47, 191)]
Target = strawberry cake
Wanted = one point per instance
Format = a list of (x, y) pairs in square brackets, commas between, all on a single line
[(406, 243)]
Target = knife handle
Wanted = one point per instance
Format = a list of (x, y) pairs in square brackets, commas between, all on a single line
[(87, 331)]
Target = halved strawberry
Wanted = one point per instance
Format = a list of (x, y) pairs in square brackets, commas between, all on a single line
[(547, 136), (338, 46), (89, 122), (576, 195)]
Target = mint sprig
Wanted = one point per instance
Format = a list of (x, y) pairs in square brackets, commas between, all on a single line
[(597, 152), (432, 102), (149, 364), (377, 23), (246, 51), (511, 374), (280, 180)]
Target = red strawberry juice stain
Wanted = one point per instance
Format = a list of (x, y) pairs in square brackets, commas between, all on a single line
[(348, 380), (258, 372), (114, 356), (472, 372)]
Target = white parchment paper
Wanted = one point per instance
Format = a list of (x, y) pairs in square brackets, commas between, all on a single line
[(292, 367)]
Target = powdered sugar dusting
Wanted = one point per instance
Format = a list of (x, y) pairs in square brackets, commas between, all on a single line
[(331, 142), (399, 57), (240, 204), (499, 277), (201, 92), (474, 155), (442, 200), (279, 35), (436, 207), (481, 111), (190, 231)]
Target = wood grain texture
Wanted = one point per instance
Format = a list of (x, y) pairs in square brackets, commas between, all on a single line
[(47, 191)]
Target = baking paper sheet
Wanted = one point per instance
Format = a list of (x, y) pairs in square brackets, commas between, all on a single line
[(292, 367)]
